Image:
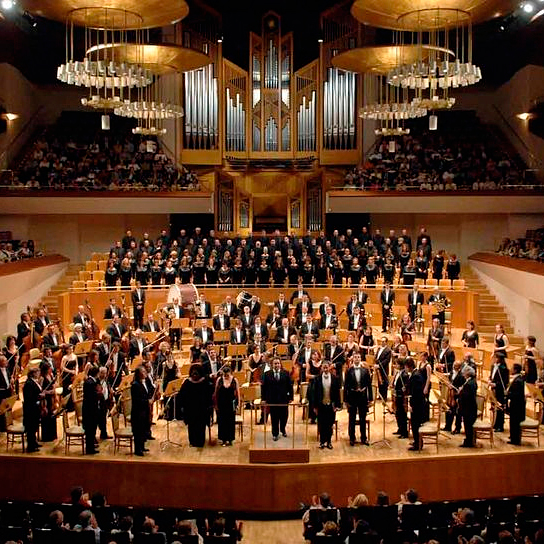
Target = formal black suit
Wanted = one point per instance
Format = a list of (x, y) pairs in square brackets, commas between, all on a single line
[(140, 415), (138, 306), (296, 295), (434, 345), (312, 329), (383, 360), (217, 323), (255, 308), (108, 312), (357, 395), (74, 339), (323, 309), (199, 332), (207, 310), (413, 302), (298, 308), (262, 330), (31, 412), (247, 321), (326, 411), (234, 336), (5, 385), (400, 390), (447, 358), (516, 407), (49, 342), (282, 308), (85, 319), (116, 334), (277, 388), (91, 412), (39, 326), (332, 325), (386, 299), (118, 371), (453, 414), (361, 323), (231, 309), (337, 357), (362, 298), (134, 348), (468, 409), (22, 332), (500, 377), (147, 327), (280, 337), (416, 383)]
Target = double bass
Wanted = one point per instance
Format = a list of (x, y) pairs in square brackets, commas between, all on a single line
[(93, 328)]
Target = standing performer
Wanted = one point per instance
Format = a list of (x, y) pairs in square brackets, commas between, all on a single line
[(381, 365), (277, 388), (416, 385), (468, 406), (498, 381), (414, 298), (226, 398), (327, 402), (138, 305), (91, 396), (434, 339), (400, 381), (140, 410), (32, 395), (357, 395), (454, 414), (516, 404), (387, 298)]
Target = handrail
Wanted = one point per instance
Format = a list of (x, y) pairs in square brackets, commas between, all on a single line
[(9, 145), (531, 155)]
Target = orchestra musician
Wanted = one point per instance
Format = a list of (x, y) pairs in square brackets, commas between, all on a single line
[(361, 296), (112, 310), (325, 304), (446, 356), (304, 306), (51, 339), (116, 330), (23, 328), (204, 332), (468, 406), (82, 317), (211, 365), (334, 353), (416, 386), (203, 308), (151, 325), (221, 322), (498, 382), (309, 327), (282, 305), (530, 358), (137, 345), (6, 389), (246, 318), (328, 320), (226, 398), (104, 348), (274, 319), (48, 416), (231, 311), (116, 365), (357, 321), (470, 338), (426, 370), (500, 340), (258, 328), (439, 303), (138, 305), (414, 298), (357, 395), (326, 391), (238, 335), (387, 299), (41, 322), (434, 339), (141, 410), (352, 304), (299, 294), (168, 371), (91, 396), (406, 328), (366, 342), (453, 414), (78, 335), (382, 363), (32, 396), (255, 363), (400, 396), (516, 404), (105, 402), (277, 388), (254, 306), (68, 369)]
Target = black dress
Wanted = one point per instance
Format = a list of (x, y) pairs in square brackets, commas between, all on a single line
[(500, 343), (198, 273), (421, 268), (251, 275), (321, 274), (156, 275), (185, 274), (142, 274), (355, 274), (110, 277), (307, 273), (388, 273), (212, 274), (225, 276), (278, 275), (531, 373), (49, 421), (195, 400), (293, 272), (337, 273), (471, 338), (238, 274), (170, 276), (125, 273), (371, 273), (408, 276), (263, 273), (226, 403)]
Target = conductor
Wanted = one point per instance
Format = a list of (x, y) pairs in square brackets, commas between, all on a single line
[(277, 388)]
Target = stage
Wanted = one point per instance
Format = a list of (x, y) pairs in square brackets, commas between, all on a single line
[(216, 477)]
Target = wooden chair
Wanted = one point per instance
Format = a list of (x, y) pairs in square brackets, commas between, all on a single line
[(419, 282), (78, 285), (483, 428), (103, 265), (448, 321), (431, 282), (99, 275), (96, 256), (93, 285), (73, 434), (15, 432), (530, 428), (458, 285), (429, 432), (444, 284), (91, 265), (239, 420), (85, 275), (122, 436)]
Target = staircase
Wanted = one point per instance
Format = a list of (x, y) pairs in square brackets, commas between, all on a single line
[(51, 300), (490, 310)]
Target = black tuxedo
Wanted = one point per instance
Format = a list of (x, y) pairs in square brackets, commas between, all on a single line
[(362, 298), (283, 309), (337, 358), (298, 309), (140, 415), (138, 305), (469, 409), (115, 334), (254, 308), (217, 325), (147, 327), (447, 358), (326, 412), (351, 305), (234, 339), (416, 383), (39, 327), (134, 348), (323, 309), (412, 304), (361, 323), (453, 413), (49, 342), (118, 371), (75, 340), (296, 295), (207, 310), (207, 368), (383, 360), (198, 332), (83, 320), (31, 412), (262, 330), (247, 321), (280, 334), (230, 310), (357, 395), (332, 325), (90, 412), (312, 329), (432, 344), (386, 299), (22, 332), (516, 407), (277, 389), (108, 312)]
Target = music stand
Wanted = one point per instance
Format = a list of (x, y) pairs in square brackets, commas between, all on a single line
[(126, 382), (171, 391), (81, 349), (383, 443)]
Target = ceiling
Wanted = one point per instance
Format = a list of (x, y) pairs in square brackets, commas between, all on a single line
[(37, 51)]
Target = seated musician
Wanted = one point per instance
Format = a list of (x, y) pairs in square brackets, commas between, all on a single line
[(453, 414), (352, 304), (258, 328), (357, 321), (137, 345), (284, 332), (47, 357), (112, 310), (212, 364), (282, 305), (204, 332), (221, 322), (406, 328), (328, 319), (51, 339), (309, 327), (238, 335), (274, 319), (231, 311), (299, 294), (439, 303), (116, 365), (304, 306), (446, 356), (303, 357), (246, 318), (203, 308), (175, 309), (150, 324), (254, 365), (326, 303), (334, 353), (301, 318), (257, 340), (78, 335), (82, 317), (104, 348), (116, 330)]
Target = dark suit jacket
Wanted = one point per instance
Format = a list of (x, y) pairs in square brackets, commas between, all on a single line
[(226, 320), (140, 406), (284, 310), (279, 334), (501, 380), (416, 383), (351, 305), (208, 309), (133, 350), (90, 402), (351, 323), (49, 343), (256, 309), (74, 339), (277, 391), (337, 354), (39, 326), (333, 324), (447, 359), (390, 299), (516, 399), (351, 396), (243, 336), (384, 360), (209, 330), (233, 310), (147, 327), (262, 329), (112, 331), (467, 400), (134, 297), (108, 314), (295, 295), (298, 308), (313, 330), (78, 319), (22, 332), (335, 391), (245, 324), (419, 300), (323, 308), (31, 403)]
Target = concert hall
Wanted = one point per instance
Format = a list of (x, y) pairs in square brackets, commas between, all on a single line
[(271, 272)]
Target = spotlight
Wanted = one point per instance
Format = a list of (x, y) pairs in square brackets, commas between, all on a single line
[(320, 40), (528, 7), (502, 28), (7, 4)]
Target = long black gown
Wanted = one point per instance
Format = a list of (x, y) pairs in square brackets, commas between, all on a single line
[(226, 400), (49, 421), (195, 400)]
